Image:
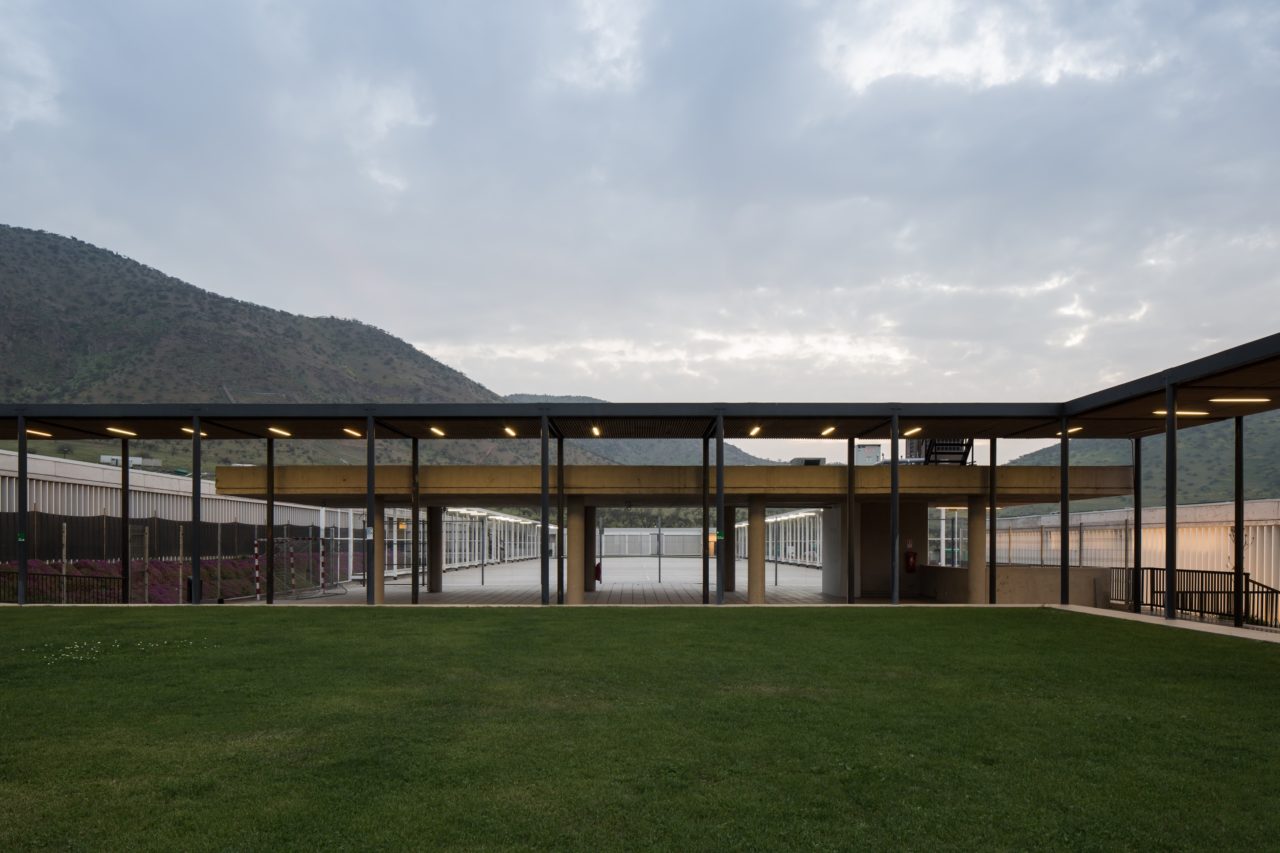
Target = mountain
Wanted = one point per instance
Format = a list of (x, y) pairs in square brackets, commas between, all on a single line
[(636, 451), (1206, 463)]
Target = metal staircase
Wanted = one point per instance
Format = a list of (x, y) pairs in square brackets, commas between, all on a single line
[(948, 451)]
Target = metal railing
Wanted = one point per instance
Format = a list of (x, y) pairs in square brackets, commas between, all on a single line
[(46, 588), (1200, 593)]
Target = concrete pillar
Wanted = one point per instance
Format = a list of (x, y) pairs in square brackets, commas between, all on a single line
[(755, 551), (435, 549), (835, 554), (577, 554), (730, 549), (589, 548), (977, 549), (379, 579)]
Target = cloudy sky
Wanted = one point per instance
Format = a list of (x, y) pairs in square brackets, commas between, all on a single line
[(898, 200)]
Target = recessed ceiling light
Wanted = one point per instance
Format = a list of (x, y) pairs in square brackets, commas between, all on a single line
[(509, 431), (190, 431), (437, 431), (1070, 430), (279, 431), (1239, 399), (595, 430), (912, 431), (126, 433), (829, 430), (1182, 413), (354, 433), (38, 434), (755, 430)]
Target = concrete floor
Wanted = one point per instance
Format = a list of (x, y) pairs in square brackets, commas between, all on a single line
[(626, 580)]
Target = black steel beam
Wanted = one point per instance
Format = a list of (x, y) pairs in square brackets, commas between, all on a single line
[(1064, 514), (895, 556), (370, 499), (991, 536), (124, 521), (415, 513), (720, 518), (1238, 585), (23, 515), (546, 511), (1171, 501), (197, 496), (1136, 580)]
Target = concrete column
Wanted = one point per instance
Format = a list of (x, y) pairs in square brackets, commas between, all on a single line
[(730, 549), (835, 554), (755, 551), (575, 585), (379, 580), (435, 549), (977, 549), (589, 548)]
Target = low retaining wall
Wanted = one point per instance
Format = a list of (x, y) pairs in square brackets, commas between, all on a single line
[(1021, 585)]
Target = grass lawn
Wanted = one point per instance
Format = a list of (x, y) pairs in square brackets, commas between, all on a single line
[(912, 728)]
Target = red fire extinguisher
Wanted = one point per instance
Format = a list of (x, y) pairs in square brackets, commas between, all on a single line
[(909, 557)]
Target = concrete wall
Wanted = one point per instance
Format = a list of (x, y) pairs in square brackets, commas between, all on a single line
[(873, 546), (1021, 585)]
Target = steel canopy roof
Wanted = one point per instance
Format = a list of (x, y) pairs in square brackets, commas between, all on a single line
[(1124, 411)]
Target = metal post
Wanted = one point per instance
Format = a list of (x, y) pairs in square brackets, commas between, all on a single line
[(1064, 520), (1136, 582), (560, 519), (271, 520), (894, 532), (991, 508), (546, 512), (197, 493), (1238, 584), (849, 527), (124, 521), (720, 518), (415, 512), (706, 521), (659, 547), (1170, 501), (23, 516), (371, 510)]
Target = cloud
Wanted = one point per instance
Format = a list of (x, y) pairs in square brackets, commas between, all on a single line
[(607, 54), (29, 83)]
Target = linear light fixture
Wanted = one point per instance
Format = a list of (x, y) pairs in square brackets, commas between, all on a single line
[(1239, 399), (1182, 413), (435, 430), (912, 432), (755, 430), (1070, 431), (354, 433), (829, 430), (38, 433), (509, 431), (595, 430), (280, 432), (191, 431), (126, 433)]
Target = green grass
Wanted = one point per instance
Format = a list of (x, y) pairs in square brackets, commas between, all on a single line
[(912, 728)]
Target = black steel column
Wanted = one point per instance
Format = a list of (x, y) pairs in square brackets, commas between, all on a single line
[(1238, 588), (991, 533), (560, 522), (23, 516), (1064, 515), (371, 517), (894, 533), (546, 512), (1170, 501), (849, 525), (706, 520), (124, 521), (271, 522), (720, 519), (1136, 581), (415, 512), (197, 494)]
